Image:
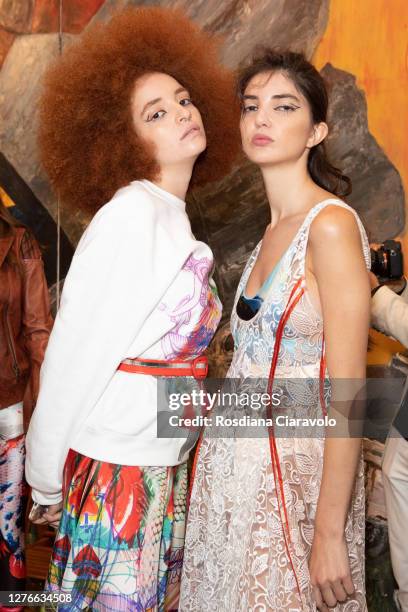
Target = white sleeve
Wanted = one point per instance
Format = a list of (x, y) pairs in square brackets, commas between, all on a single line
[(404, 293), (389, 314), (122, 267)]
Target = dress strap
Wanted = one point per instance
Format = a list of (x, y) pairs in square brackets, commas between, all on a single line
[(302, 241), (294, 298)]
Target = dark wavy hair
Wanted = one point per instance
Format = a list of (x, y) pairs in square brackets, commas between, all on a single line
[(310, 84), (88, 144)]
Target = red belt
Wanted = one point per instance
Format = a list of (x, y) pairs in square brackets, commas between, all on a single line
[(197, 367)]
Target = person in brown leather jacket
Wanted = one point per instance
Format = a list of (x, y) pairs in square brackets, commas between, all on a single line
[(25, 325)]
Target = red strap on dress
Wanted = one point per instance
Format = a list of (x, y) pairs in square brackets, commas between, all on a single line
[(321, 379), (194, 468), (277, 472)]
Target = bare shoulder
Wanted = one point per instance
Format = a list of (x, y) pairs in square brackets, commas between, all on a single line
[(334, 223)]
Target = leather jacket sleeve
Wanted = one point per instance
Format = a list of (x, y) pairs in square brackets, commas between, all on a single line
[(36, 318)]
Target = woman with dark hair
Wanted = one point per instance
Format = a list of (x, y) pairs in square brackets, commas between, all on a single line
[(25, 325), (277, 523), (131, 116)]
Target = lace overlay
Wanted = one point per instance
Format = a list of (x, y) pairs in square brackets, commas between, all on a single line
[(236, 557)]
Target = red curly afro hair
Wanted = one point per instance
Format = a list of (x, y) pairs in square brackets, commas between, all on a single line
[(88, 144)]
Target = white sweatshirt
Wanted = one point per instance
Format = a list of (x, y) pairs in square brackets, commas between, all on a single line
[(139, 285)]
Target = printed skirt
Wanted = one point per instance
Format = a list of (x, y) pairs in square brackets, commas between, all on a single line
[(13, 500), (120, 541)]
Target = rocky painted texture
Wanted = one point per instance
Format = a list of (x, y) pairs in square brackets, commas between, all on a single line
[(230, 216), (20, 88), (42, 16), (15, 15), (75, 15), (6, 40), (378, 195), (246, 23), (368, 38)]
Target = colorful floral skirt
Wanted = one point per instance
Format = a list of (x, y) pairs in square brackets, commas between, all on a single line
[(13, 499), (120, 541)]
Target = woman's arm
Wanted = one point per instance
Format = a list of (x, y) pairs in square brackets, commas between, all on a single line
[(36, 318), (339, 268)]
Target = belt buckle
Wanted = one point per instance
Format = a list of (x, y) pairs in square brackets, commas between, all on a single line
[(199, 372)]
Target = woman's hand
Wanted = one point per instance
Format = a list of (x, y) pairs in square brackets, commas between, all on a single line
[(330, 571), (51, 517)]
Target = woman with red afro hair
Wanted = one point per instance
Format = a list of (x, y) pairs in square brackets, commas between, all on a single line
[(131, 115)]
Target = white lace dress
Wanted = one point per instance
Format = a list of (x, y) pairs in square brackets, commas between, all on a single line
[(241, 554)]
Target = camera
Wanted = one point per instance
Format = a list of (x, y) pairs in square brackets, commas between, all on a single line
[(387, 261)]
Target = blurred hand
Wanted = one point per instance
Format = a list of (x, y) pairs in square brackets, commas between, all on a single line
[(373, 280), (51, 517)]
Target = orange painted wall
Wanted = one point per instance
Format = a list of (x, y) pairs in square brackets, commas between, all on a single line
[(369, 38)]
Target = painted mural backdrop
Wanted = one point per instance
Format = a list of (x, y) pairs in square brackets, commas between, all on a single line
[(361, 49), (359, 46), (369, 38)]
